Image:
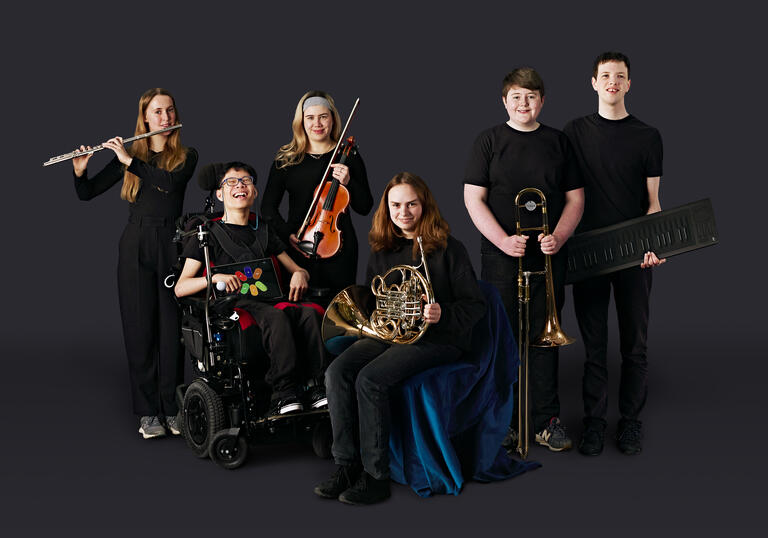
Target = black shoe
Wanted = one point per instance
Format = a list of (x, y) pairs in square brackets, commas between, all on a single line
[(554, 436), (317, 397), (511, 439), (343, 479), (629, 437), (367, 490), (592, 441), (287, 404)]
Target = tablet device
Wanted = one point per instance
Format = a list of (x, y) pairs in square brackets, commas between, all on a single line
[(258, 278)]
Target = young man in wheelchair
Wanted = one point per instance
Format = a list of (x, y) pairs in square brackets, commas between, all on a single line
[(284, 333)]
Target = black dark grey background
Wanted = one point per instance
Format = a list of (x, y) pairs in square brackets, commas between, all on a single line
[(428, 78)]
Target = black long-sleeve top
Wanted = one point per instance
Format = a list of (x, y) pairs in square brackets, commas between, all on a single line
[(462, 303), (161, 193), (300, 181)]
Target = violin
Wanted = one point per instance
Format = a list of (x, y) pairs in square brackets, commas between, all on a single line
[(321, 237)]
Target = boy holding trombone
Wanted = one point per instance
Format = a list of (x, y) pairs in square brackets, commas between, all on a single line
[(505, 159)]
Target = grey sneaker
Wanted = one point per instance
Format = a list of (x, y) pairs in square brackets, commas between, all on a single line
[(554, 436), (151, 427), (172, 423)]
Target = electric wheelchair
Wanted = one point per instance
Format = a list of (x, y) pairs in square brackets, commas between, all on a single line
[(223, 410)]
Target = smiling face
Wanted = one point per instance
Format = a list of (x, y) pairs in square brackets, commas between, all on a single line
[(523, 106), (318, 123), (160, 113), (404, 208), (612, 82), (240, 196)]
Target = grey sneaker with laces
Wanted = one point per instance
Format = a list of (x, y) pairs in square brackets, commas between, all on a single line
[(151, 427), (554, 436), (172, 423)]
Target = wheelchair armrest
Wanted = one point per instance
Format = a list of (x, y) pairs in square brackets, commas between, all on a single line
[(197, 303), (221, 306)]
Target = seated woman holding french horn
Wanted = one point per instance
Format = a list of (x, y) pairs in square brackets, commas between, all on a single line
[(421, 320)]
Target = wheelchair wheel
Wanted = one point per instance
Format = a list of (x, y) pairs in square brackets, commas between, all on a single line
[(203, 416), (228, 449), (322, 438)]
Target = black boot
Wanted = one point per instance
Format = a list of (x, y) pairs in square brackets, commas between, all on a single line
[(593, 437), (343, 479), (630, 436), (367, 490)]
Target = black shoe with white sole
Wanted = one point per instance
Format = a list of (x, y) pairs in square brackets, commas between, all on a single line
[(282, 406), (317, 397)]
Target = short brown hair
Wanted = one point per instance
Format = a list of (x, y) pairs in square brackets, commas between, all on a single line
[(610, 56), (524, 77)]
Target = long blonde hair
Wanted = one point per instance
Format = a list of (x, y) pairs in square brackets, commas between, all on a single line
[(173, 154), (294, 151), (432, 227)]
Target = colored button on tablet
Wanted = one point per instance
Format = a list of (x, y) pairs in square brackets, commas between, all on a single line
[(241, 276), (261, 285), (254, 290), (257, 273), (247, 270)]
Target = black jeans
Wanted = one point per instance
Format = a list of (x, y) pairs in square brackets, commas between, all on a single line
[(631, 291), (283, 334), (501, 271), (358, 384)]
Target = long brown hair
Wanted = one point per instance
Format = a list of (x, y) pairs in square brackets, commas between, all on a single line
[(173, 154), (432, 227), (294, 151)]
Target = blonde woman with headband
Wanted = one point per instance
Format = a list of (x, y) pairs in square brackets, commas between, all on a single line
[(297, 170), (155, 172)]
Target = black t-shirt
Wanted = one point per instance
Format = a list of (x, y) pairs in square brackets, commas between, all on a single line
[(616, 157), (161, 193), (263, 244), (505, 161)]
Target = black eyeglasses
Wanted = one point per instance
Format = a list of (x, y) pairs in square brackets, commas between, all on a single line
[(232, 181)]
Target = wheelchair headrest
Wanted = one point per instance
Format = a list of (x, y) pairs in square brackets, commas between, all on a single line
[(209, 176)]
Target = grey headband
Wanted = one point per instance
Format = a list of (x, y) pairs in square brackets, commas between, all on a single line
[(315, 101)]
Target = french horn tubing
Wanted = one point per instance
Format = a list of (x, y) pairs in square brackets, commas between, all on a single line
[(390, 311)]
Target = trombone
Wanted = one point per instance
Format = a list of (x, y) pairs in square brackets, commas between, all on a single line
[(552, 335)]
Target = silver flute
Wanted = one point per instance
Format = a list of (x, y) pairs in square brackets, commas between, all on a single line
[(74, 154)]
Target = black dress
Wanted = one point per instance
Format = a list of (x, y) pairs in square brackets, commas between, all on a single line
[(150, 316), (300, 181)]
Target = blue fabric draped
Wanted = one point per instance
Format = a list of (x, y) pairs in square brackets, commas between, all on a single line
[(448, 422)]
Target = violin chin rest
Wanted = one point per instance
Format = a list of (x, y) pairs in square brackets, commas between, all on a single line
[(308, 247)]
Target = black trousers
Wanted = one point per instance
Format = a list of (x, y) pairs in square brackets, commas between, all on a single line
[(283, 334), (358, 384), (631, 291), (151, 321), (543, 363)]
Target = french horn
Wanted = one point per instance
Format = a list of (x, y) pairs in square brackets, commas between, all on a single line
[(390, 310)]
